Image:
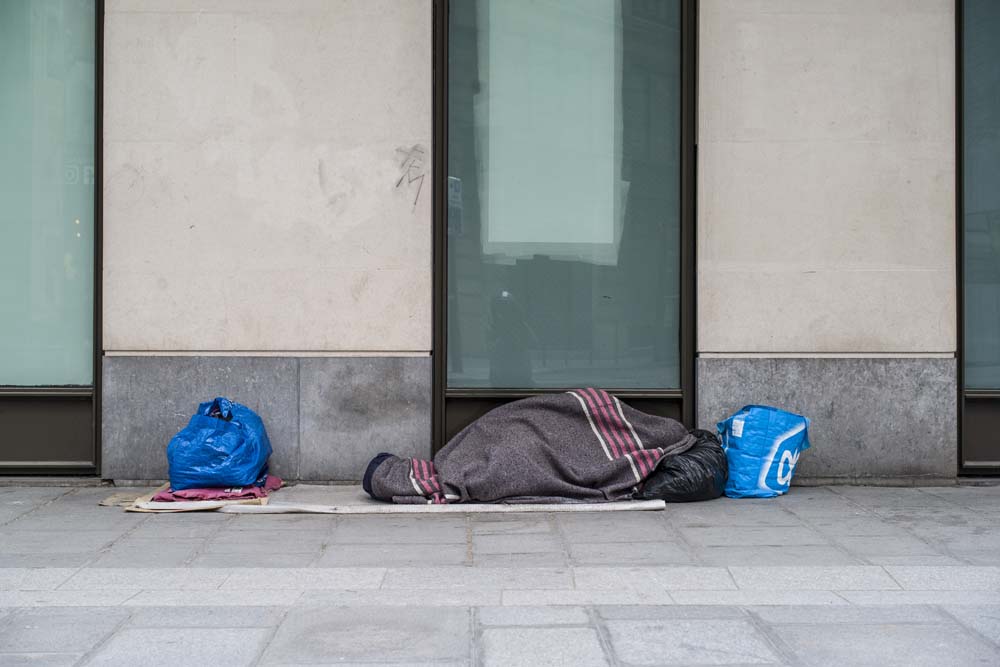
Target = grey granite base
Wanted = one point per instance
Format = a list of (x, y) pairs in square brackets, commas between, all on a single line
[(325, 417), (871, 418)]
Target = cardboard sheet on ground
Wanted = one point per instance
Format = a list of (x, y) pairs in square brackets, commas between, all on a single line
[(350, 499), (458, 508), (144, 503)]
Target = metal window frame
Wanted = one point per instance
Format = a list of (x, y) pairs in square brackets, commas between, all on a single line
[(688, 288), (93, 392), (964, 396)]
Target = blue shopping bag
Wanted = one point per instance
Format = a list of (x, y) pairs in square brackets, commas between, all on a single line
[(223, 445), (762, 447)]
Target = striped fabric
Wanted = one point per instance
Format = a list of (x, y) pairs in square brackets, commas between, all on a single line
[(425, 480), (617, 437)]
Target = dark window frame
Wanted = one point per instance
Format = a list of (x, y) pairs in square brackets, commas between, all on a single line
[(26, 402), (986, 401), (478, 400)]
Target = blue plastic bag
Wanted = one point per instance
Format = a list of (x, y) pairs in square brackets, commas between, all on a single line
[(762, 447), (223, 445)]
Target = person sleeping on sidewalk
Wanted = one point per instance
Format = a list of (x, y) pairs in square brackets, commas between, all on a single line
[(583, 445)]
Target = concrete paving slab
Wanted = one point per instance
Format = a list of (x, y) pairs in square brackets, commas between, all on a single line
[(149, 578), (528, 647), (780, 536), (644, 578), (684, 642), (869, 546), (346, 578), (70, 560), (238, 560), (169, 647), (960, 578), (927, 559), (493, 524), (829, 614), (773, 555), (921, 597), (668, 613), (518, 543), (533, 616), (531, 560), (379, 634), (65, 598), (725, 513), (206, 617), (253, 541), (40, 659), (588, 528), (148, 553), (542, 598), (323, 524), (476, 578), (635, 553), (983, 620), (750, 598), (886, 644), (259, 596), (55, 541), (404, 598), (813, 578), (25, 579), (392, 555), (400, 530), (58, 630)]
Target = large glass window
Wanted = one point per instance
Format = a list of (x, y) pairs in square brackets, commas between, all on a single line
[(981, 170), (46, 192), (563, 193)]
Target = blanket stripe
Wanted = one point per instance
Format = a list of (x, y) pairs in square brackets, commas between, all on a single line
[(609, 430)]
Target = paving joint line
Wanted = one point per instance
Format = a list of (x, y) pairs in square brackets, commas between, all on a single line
[(94, 650), (603, 635), (771, 637), (973, 631), (37, 507), (270, 637), (475, 637), (834, 543), (895, 580), (108, 546), (688, 547)]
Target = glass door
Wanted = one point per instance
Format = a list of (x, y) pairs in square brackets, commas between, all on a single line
[(564, 143), (48, 226)]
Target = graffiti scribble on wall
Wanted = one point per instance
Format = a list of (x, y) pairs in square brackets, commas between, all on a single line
[(412, 169)]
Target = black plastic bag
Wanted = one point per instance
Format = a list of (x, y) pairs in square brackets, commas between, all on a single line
[(700, 473)]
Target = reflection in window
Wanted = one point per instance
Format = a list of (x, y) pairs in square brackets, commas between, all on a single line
[(982, 193), (46, 191), (564, 193)]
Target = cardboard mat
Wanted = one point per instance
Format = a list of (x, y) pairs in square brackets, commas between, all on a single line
[(459, 508), (144, 503), (350, 499)]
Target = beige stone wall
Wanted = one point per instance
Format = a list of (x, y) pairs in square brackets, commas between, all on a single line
[(826, 203), (252, 159)]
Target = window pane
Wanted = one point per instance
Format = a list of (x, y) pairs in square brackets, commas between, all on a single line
[(982, 193), (564, 193), (46, 192)]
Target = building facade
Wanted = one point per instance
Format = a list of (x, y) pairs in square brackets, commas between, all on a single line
[(373, 220)]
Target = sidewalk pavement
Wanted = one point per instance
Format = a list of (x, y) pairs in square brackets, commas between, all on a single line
[(823, 576)]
